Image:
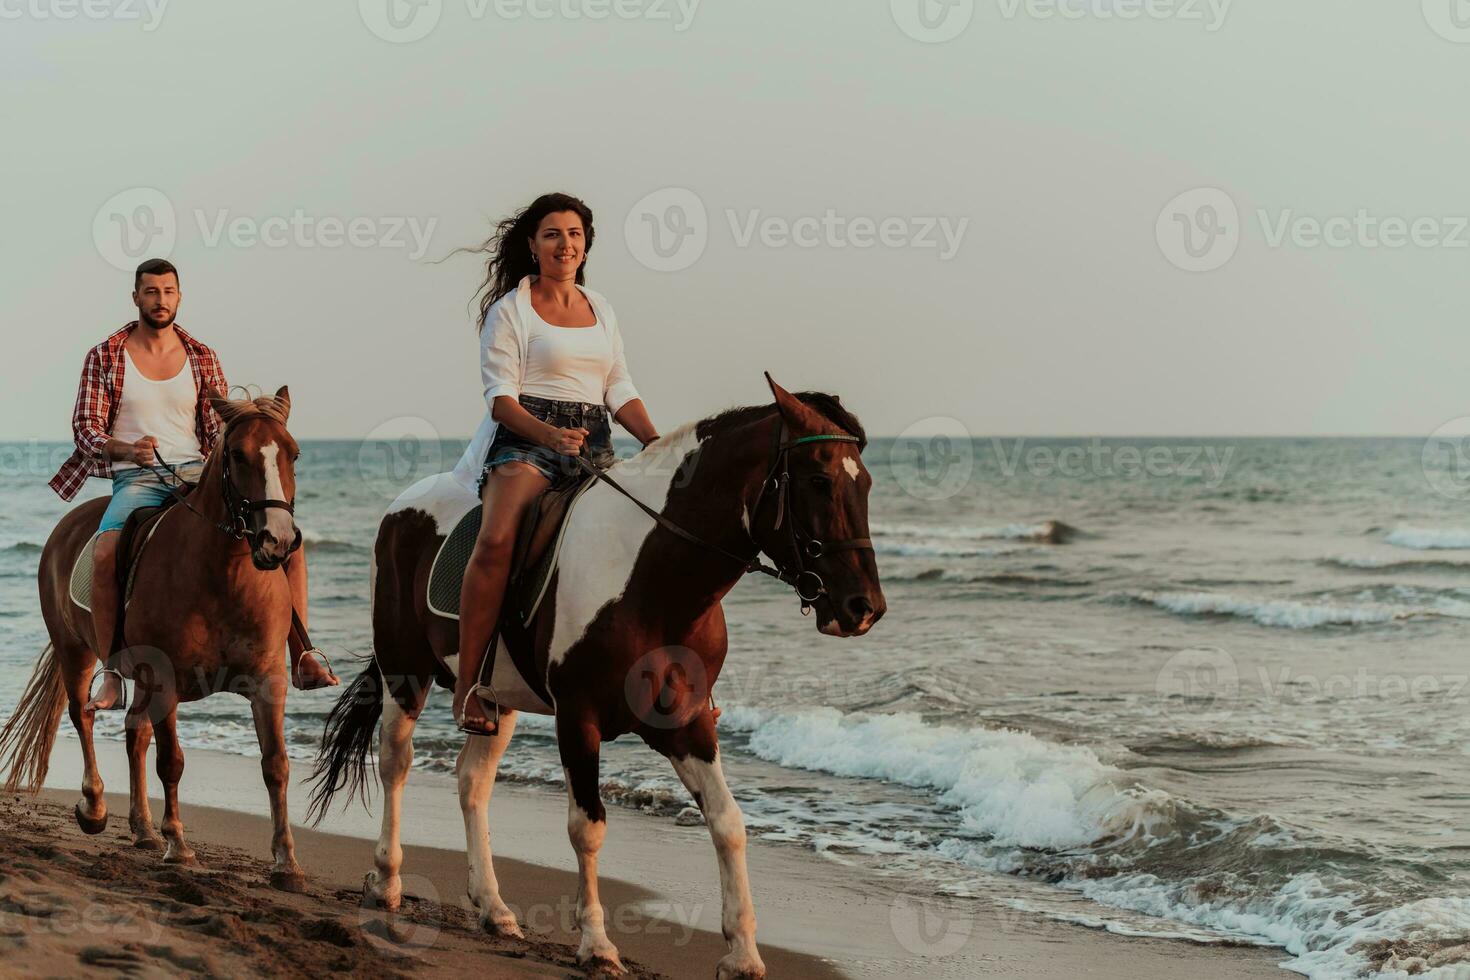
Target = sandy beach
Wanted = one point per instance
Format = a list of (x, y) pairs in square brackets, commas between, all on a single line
[(73, 904)]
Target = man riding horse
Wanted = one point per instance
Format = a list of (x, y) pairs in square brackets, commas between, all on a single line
[(137, 408)]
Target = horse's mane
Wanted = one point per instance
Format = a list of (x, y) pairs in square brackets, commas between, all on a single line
[(267, 406), (827, 405)]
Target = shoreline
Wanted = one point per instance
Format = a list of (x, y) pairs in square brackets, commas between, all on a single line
[(660, 887)]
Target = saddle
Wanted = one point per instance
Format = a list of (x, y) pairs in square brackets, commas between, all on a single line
[(534, 558), (137, 531)]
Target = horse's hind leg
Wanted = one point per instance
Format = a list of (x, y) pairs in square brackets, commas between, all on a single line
[(170, 771), (77, 662), (269, 710), (140, 818), (476, 768), (395, 756)]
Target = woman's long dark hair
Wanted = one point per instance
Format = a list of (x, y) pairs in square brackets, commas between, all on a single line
[(510, 258)]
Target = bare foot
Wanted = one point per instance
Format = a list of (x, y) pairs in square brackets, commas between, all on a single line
[(110, 694)]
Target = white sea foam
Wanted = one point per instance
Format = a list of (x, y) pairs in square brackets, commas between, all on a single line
[(1429, 539), (1004, 532), (1008, 786), (1283, 613)]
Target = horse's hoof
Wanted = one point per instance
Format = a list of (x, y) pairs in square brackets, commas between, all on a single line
[(288, 881), (502, 928), (601, 963), (148, 843), (182, 858), (91, 825), (737, 967), (375, 896)]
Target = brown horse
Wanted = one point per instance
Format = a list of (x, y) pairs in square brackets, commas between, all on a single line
[(630, 636), (209, 612)]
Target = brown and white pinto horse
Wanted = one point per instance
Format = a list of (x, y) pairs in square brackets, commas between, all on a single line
[(631, 619), (209, 612)]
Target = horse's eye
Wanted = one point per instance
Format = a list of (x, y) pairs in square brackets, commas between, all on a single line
[(237, 456), (822, 482)]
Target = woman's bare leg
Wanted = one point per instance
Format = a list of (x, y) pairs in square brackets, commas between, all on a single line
[(509, 490)]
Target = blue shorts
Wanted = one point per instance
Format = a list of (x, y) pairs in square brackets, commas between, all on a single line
[(557, 467), (141, 487)]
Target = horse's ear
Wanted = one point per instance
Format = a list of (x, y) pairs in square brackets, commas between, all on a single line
[(796, 414), (283, 398), (219, 403)]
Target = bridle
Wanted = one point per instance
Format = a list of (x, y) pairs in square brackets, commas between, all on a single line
[(238, 507), (807, 582)]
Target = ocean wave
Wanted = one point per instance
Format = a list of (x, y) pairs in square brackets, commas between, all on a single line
[(1281, 613), (940, 549), (1429, 539), (1016, 579), (25, 548), (322, 544), (1045, 532), (1392, 565), (1009, 786)]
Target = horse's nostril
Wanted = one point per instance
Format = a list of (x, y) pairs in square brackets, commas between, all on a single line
[(859, 607)]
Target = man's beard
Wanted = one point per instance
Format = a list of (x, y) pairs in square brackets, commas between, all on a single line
[(149, 319)]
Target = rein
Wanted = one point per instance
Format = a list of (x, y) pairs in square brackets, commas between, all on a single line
[(801, 541)]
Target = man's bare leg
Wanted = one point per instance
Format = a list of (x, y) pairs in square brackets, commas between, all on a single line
[(104, 618), (307, 672)]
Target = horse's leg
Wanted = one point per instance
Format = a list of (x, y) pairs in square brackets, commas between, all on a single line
[(140, 818), (580, 744), (268, 708), (91, 809), (170, 771), (476, 768), (395, 756), (705, 780)]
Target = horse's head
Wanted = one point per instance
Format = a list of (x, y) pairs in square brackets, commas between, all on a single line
[(823, 518), (258, 457)]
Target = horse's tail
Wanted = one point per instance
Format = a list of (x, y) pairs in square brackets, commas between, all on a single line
[(26, 739), (347, 743)]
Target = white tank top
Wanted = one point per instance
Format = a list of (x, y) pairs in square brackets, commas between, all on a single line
[(566, 363), (161, 409)]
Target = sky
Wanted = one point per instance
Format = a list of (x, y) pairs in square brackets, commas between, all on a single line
[(1098, 217)]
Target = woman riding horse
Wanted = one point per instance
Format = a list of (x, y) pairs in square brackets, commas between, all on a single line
[(551, 357)]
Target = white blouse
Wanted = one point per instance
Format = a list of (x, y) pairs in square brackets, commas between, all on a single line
[(508, 366)]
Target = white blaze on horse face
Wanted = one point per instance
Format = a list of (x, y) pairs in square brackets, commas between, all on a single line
[(277, 521), (606, 531), (850, 464)]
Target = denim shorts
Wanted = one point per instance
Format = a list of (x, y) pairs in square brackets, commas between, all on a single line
[(557, 467), (141, 487)]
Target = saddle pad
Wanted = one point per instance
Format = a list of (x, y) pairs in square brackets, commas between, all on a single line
[(81, 573), (527, 586)]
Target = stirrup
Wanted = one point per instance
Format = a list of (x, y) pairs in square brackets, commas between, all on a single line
[(492, 724), (122, 701), (296, 670)]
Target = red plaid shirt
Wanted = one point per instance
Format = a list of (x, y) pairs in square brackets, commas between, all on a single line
[(100, 393)]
